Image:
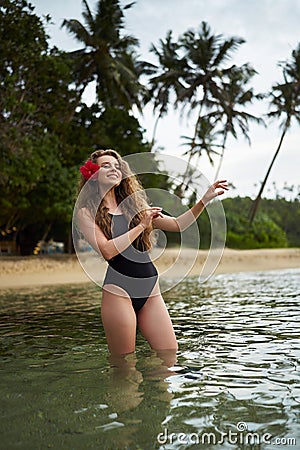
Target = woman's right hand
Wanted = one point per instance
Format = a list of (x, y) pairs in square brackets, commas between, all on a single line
[(217, 188), (149, 215)]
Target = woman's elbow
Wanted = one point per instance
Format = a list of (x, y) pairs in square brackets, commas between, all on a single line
[(107, 252), (177, 225)]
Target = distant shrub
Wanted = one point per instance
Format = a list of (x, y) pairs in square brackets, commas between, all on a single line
[(263, 233)]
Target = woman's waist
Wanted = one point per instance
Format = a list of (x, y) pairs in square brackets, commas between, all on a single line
[(136, 267), (131, 256)]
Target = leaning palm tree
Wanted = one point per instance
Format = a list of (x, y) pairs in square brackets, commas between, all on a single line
[(107, 55), (285, 98), (232, 106)]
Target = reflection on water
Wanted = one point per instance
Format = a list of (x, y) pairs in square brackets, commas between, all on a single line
[(238, 363)]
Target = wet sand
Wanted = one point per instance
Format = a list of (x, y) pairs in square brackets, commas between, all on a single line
[(18, 272)]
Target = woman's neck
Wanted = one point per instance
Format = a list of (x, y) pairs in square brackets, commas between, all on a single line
[(110, 200)]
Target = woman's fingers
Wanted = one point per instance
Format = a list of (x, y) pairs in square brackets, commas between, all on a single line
[(221, 184), (155, 208), (155, 211), (220, 181), (152, 213)]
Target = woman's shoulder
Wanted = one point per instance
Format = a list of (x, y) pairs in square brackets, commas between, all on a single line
[(84, 213)]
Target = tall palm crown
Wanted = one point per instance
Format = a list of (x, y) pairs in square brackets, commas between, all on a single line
[(192, 69), (206, 141), (207, 55), (285, 101), (236, 95), (230, 110), (107, 56), (285, 97), (168, 74), (165, 77)]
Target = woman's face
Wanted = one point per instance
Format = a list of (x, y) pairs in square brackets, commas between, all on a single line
[(110, 171)]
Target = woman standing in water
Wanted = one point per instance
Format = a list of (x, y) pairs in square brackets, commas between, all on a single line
[(117, 222)]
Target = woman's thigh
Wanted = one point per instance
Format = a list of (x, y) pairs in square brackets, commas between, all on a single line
[(119, 320), (155, 324)]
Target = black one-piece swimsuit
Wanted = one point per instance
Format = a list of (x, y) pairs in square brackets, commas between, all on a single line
[(132, 269)]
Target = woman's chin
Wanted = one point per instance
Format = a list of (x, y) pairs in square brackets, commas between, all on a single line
[(111, 184)]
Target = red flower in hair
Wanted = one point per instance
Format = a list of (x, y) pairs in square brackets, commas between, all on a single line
[(89, 169)]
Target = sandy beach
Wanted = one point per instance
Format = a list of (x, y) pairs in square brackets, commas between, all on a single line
[(18, 272)]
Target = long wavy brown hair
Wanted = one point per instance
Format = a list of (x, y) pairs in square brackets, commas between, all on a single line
[(129, 189)]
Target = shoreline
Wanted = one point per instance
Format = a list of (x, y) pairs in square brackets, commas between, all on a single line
[(32, 271)]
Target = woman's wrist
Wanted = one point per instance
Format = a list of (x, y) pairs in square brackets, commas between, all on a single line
[(142, 225), (203, 202)]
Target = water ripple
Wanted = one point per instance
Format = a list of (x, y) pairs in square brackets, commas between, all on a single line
[(238, 363)]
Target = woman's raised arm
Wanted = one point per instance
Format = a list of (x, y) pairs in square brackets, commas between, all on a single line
[(186, 219)]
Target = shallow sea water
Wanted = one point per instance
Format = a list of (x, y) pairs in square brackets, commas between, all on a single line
[(234, 385)]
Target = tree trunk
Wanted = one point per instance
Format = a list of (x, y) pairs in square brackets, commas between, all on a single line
[(70, 246), (77, 102), (254, 208), (154, 132), (194, 140), (222, 156)]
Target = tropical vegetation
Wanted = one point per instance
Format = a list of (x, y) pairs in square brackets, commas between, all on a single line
[(47, 130), (285, 103)]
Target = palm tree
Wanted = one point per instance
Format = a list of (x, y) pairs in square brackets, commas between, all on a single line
[(285, 98), (207, 140), (193, 69), (190, 69), (167, 77), (107, 55), (231, 107), (206, 55)]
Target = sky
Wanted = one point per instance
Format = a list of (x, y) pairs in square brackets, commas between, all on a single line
[(271, 31)]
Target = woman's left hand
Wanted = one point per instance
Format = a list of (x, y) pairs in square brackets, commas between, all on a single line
[(150, 214), (217, 188)]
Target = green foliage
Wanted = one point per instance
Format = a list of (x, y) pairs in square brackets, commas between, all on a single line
[(106, 128), (285, 214), (276, 225), (35, 99), (264, 232), (204, 230), (284, 101), (46, 133), (107, 55), (43, 142), (93, 128)]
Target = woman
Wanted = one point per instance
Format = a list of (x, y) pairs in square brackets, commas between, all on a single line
[(118, 225)]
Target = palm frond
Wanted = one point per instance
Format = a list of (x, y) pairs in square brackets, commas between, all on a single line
[(78, 30), (129, 5), (226, 49), (87, 15)]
